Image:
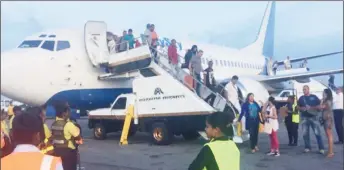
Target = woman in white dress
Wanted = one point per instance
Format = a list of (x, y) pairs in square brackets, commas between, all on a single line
[(271, 125)]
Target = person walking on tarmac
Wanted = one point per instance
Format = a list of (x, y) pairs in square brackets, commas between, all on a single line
[(221, 153), (27, 129), (251, 110), (64, 134), (292, 121)]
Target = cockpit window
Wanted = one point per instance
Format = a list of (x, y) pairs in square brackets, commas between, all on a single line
[(52, 36), (61, 45), (42, 35), (48, 45), (30, 44)]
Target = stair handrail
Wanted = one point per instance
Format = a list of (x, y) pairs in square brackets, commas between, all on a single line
[(194, 79)]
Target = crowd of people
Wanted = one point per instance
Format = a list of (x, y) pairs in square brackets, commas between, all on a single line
[(273, 65), (25, 138), (314, 113)]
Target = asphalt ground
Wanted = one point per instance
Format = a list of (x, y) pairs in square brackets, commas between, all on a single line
[(141, 155)]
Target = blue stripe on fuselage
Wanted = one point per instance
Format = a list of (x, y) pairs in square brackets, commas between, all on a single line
[(89, 99)]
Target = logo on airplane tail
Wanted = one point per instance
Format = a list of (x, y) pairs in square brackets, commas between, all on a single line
[(158, 91)]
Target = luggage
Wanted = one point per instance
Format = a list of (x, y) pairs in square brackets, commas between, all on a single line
[(188, 80)]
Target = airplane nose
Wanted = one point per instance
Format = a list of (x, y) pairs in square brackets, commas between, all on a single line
[(20, 72), (7, 77)]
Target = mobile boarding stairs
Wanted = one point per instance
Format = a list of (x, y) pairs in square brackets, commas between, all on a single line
[(139, 63)]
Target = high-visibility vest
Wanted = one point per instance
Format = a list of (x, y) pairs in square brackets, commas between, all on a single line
[(295, 115), (57, 129), (226, 154), (2, 140), (34, 160)]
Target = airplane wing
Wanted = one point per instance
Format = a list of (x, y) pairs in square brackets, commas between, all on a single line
[(272, 79), (310, 57)]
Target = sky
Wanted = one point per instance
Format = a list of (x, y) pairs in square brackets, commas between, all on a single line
[(301, 28)]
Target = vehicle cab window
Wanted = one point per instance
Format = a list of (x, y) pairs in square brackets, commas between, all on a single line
[(120, 103), (285, 94), (48, 45)]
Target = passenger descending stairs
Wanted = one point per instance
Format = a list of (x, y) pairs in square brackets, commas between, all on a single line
[(164, 68)]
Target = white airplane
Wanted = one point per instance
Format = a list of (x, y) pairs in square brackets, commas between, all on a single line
[(64, 64)]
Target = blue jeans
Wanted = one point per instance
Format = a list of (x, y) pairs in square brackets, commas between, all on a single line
[(198, 84), (315, 125)]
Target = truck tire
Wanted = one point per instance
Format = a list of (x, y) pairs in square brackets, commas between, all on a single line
[(99, 132), (160, 134), (192, 135)]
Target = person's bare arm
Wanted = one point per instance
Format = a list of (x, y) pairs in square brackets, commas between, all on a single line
[(274, 113)]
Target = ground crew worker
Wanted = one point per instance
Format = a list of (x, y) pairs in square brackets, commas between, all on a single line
[(292, 121), (6, 145), (27, 129), (64, 134), (16, 111), (10, 110), (2, 139), (46, 146), (4, 125), (220, 153)]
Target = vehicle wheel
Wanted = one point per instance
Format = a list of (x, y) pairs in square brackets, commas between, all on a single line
[(160, 134), (193, 135), (99, 132)]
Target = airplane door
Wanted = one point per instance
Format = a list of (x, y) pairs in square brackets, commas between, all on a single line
[(96, 42)]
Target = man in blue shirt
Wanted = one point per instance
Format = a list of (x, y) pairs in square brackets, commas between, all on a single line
[(308, 105), (130, 38)]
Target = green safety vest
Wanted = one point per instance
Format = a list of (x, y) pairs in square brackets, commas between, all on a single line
[(295, 115), (226, 154)]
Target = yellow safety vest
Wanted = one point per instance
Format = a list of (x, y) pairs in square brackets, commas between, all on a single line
[(221, 149), (295, 115)]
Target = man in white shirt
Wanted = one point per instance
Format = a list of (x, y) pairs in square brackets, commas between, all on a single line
[(287, 64), (338, 114), (232, 93), (233, 96)]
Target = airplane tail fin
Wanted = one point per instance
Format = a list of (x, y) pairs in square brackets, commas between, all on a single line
[(265, 38)]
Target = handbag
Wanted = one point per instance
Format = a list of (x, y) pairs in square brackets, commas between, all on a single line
[(267, 127)]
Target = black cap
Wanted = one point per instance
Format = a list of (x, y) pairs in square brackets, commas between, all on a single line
[(27, 122)]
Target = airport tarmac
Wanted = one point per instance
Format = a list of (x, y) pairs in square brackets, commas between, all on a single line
[(141, 155)]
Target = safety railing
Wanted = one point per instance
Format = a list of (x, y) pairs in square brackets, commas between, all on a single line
[(180, 74), (118, 45)]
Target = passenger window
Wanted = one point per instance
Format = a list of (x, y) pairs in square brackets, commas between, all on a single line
[(120, 103), (225, 63), (48, 45), (216, 62), (221, 63), (30, 44), (61, 45)]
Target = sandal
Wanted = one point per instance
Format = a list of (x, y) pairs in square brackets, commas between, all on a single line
[(256, 148), (253, 151), (330, 155)]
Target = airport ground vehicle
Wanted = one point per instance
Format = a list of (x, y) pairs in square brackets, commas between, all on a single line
[(161, 108)]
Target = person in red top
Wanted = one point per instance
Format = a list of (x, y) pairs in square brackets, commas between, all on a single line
[(173, 57)]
